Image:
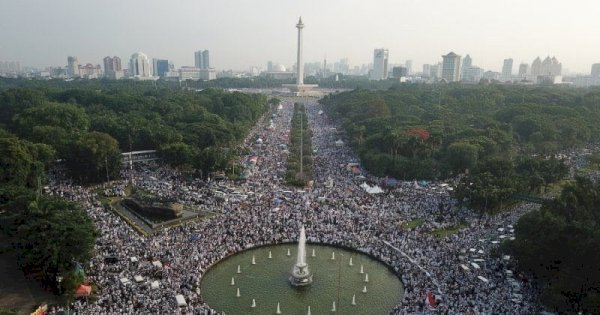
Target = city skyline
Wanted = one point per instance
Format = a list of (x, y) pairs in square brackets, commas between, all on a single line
[(535, 28)]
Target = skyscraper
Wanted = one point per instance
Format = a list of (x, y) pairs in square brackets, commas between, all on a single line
[(139, 66), (451, 67), (202, 59), (112, 64), (596, 70), (380, 64), (160, 67), (467, 62), (408, 66), (72, 66), (507, 68), (426, 70), (523, 69), (112, 67), (536, 67)]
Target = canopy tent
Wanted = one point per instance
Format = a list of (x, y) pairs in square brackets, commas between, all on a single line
[(83, 290), (371, 189), (157, 263), (180, 300)]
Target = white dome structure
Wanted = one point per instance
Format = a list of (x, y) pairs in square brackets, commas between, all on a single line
[(280, 67), (139, 65)]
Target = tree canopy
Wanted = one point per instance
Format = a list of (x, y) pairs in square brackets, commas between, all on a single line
[(558, 245)]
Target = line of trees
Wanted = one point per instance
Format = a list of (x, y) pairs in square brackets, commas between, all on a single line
[(300, 141), (417, 131), (48, 234), (88, 128)]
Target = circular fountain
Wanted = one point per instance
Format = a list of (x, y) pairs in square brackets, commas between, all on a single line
[(301, 275), (315, 280)]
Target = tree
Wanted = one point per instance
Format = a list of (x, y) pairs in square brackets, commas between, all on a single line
[(67, 116), (462, 156), (558, 246), (23, 163), (52, 233), (178, 154), (94, 157)]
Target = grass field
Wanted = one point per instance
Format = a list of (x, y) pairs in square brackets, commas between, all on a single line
[(444, 232)]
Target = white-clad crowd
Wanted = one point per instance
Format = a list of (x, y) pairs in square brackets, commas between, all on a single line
[(142, 275)]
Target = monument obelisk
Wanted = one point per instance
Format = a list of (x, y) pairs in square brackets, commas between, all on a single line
[(299, 61), (300, 89)]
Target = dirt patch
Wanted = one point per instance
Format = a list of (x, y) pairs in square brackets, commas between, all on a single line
[(17, 292)]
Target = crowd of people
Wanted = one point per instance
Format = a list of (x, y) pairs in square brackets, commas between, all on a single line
[(456, 274)]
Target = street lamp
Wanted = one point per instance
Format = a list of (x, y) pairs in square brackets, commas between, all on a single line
[(59, 279)]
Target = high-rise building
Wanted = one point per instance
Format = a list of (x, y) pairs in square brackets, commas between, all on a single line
[(112, 64), (202, 59), (536, 67), (472, 74), (10, 67), (139, 66), (426, 71), (112, 67), (436, 71), (408, 65), (596, 70), (507, 69), (341, 66), (160, 67), (451, 67), (380, 64), (399, 72), (89, 71), (72, 66), (523, 69), (548, 67), (467, 62)]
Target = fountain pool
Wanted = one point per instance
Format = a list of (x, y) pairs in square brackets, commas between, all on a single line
[(267, 282)]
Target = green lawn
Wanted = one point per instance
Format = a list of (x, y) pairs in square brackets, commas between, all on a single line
[(444, 232), (413, 223)]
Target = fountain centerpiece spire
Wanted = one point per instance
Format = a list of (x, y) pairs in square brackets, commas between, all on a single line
[(301, 274)]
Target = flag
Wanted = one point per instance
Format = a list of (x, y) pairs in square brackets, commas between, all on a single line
[(430, 300)]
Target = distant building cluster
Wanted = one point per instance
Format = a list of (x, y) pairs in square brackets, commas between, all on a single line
[(10, 68), (451, 68)]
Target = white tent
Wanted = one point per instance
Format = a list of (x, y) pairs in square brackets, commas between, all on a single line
[(483, 279), (133, 259), (180, 300), (339, 143), (138, 278), (155, 285), (371, 189), (465, 268), (475, 265), (124, 280), (157, 263)]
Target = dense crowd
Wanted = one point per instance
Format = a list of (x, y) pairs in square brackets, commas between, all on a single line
[(462, 272)]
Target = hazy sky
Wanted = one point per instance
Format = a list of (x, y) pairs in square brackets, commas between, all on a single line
[(244, 33)]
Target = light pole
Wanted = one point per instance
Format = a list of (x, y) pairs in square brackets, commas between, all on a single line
[(59, 279), (301, 147)]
